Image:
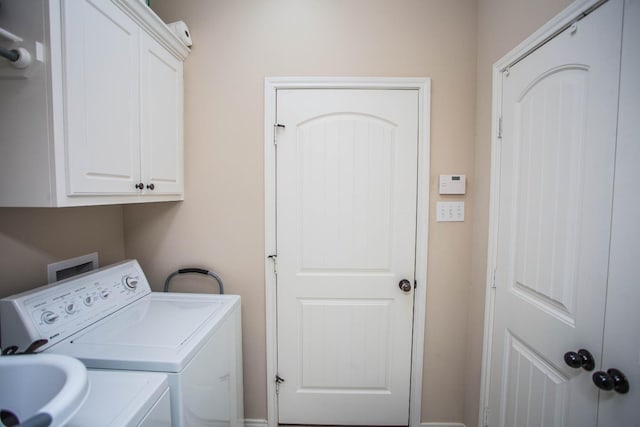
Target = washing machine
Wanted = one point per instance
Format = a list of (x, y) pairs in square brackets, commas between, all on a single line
[(110, 319)]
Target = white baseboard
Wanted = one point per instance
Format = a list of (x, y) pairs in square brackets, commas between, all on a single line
[(263, 423)]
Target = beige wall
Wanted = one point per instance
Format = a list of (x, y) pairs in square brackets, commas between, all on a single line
[(32, 238), (221, 222), (502, 25)]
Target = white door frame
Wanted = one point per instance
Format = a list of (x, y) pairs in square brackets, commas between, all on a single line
[(563, 20), (423, 86)]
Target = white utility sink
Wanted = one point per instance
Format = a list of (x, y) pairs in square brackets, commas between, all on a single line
[(41, 389)]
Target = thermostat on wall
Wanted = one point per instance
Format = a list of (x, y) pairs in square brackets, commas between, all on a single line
[(453, 184)]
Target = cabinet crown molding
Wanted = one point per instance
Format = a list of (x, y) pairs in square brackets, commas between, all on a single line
[(147, 19)]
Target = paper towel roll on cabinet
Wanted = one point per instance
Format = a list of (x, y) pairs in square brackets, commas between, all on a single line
[(182, 31)]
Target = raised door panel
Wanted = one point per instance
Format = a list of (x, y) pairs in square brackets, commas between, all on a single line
[(550, 148), (101, 98), (346, 190), (162, 117), (534, 391)]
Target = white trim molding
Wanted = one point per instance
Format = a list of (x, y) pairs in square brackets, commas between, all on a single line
[(442, 425), (263, 423), (147, 19), (423, 86), (572, 13)]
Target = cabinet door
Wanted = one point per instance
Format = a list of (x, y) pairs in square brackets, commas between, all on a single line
[(101, 88), (161, 109)]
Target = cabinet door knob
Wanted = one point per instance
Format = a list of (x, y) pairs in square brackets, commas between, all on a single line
[(151, 187), (139, 186)]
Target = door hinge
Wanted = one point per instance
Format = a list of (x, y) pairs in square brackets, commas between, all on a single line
[(499, 127), (493, 279), (276, 126), (274, 258), (279, 380), (485, 417)]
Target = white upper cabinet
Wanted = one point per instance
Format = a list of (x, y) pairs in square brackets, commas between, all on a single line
[(110, 85)]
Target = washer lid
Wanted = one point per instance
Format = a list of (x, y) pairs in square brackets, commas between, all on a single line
[(152, 323), (160, 332)]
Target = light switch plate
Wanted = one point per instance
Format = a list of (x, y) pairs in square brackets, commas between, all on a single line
[(450, 211)]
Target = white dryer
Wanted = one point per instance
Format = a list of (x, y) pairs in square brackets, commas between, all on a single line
[(110, 319)]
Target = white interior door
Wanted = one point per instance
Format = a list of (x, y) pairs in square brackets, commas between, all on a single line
[(621, 347), (346, 225), (555, 196)]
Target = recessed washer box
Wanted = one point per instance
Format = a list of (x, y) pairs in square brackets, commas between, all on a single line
[(71, 267)]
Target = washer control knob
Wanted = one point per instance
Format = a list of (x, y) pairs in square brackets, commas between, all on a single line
[(130, 282), (88, 300), (104, 294), (70, 308), (49, 317)]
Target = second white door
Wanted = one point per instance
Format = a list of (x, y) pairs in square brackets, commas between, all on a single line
[(346, 230), (557, 164)]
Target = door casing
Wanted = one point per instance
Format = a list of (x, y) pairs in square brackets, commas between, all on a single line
[(423, 86), (573, 12)]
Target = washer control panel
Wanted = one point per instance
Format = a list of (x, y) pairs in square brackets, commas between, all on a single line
[(59, 310)]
